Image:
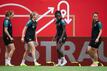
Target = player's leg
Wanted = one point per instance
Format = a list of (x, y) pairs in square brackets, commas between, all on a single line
[(6, 55), (12, 49), (90, 51), (6, 42), (64, 61), (96, 53), (61, 58), (95, 57), (60, 54), (32, 46), (93, 53), (25, 54), (59, 51)]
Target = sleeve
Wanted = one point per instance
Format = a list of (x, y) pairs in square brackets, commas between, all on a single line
[(28, 23), (100, 25), (63, 22), (6, 22)]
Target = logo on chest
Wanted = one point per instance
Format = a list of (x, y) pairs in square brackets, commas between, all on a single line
[(33, 26), (10, 25)]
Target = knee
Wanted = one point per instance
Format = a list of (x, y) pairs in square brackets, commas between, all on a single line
[(13, 49), (88, 49), (33, 49), (94, 49)]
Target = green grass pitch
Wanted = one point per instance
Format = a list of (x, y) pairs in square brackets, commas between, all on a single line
[(52, 68)]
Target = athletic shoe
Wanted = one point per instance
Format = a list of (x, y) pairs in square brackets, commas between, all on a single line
[(37, 64), (94, 65), (64, 63), (9, 64), (23, 64)]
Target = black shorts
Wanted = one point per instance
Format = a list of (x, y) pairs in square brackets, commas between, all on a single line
[(94, 44), (28, 39), (63, 39), (7, 41)]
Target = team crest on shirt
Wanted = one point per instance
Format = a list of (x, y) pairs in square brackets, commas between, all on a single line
[(33, 26), (30, 39), (10, 25)]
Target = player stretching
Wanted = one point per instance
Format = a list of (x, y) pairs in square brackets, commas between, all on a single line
[(95, 39), (28, 37), (8, 38), (60, 38)]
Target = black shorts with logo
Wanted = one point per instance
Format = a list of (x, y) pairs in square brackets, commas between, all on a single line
[(28, 39), (63, 39), (7, 41), (94, 44)]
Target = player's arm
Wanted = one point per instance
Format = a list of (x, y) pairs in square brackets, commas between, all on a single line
[(54, 38), (36, 37), (63, 22), (63, 32), (99, 35), (23, 33), (36, 40), (6, 31)]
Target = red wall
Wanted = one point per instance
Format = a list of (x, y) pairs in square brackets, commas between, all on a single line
[(82, 9)]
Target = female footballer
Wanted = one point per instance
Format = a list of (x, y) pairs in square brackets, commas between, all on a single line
[(8, 37), (60, 38), (28, 37), (95, 39)]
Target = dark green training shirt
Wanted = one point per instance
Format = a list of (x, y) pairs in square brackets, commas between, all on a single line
[(59, 25), (7, 23), (96, 29), (30, 33)]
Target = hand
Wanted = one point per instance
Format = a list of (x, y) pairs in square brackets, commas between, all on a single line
[(22, 39), (11, 39), (54, 39), (36, 43), (96, 40), (60, 40)]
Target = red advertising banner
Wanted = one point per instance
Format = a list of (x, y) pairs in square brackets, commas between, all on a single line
[(74, 49)]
